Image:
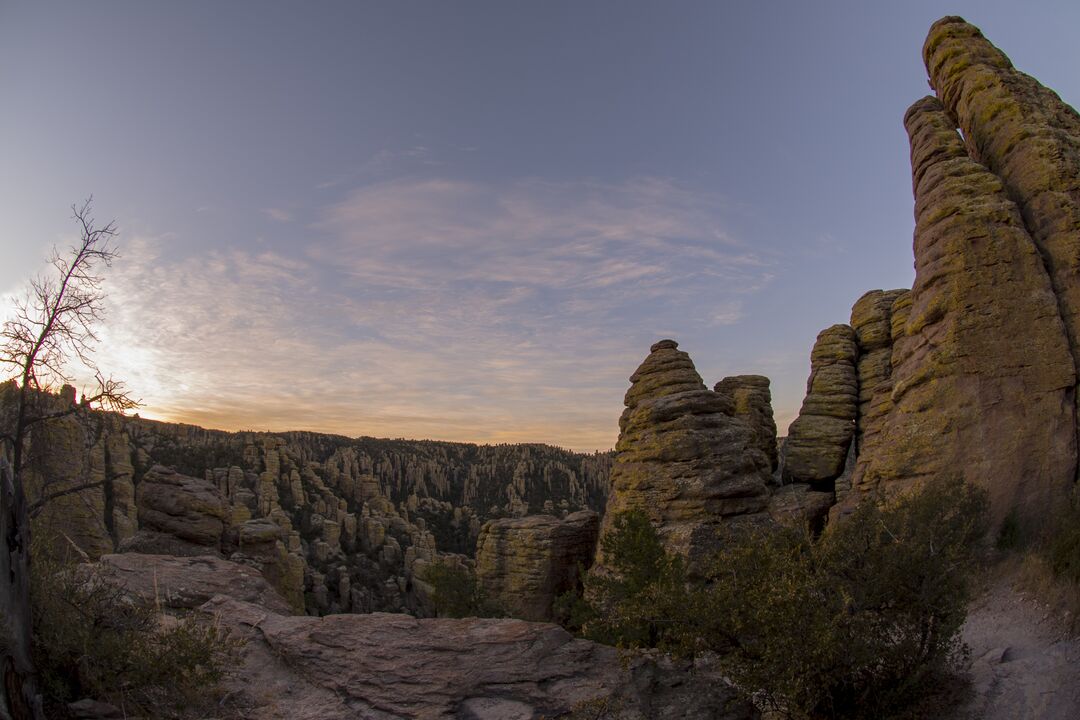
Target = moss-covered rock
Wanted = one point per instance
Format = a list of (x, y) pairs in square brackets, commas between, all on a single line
[(982, 378)]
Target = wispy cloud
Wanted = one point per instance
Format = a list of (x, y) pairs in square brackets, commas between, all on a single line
[(433, 308), (278, 214)]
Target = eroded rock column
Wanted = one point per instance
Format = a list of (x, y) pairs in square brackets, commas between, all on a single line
[(982, 378)]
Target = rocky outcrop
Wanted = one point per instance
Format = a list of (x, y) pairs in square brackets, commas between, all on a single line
[(60, 461), (178, 514), (351, 667), (982, 378), (185, 583), (682, 457), (752, 402), (819, 438), (523, 564), (340, 524)]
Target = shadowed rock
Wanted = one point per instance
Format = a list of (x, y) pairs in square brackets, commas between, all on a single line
[(523, 564), (752, 402), (682, 457), (982, 378), (190, 509)]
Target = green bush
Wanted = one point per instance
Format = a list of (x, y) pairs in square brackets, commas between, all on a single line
[(1062, 546), (639, 600), (854, 624), (92, 639), (456, 592)]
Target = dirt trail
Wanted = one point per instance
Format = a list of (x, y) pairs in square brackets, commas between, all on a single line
[(1024, 666)]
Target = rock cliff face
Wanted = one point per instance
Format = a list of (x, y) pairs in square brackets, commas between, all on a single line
[(1024, 134), (523, 564), (683, 457)]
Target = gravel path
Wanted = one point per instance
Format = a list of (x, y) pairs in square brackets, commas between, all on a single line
[(1024, 666)]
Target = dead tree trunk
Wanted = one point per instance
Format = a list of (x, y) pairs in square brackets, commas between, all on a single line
[(21, 699)]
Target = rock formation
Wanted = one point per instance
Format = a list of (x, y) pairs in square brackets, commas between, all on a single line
[(983, 351), (1024, 134), (752, 402), (334, 524), (523, 564), (347, 667), (682, 457), (819, 438)]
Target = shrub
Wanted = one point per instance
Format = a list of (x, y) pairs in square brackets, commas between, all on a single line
[(639, 601), (1062, 546), (91, 639), (854, 624), (456, 593)]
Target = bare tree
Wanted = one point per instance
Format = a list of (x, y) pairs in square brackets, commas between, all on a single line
[(53, 327)]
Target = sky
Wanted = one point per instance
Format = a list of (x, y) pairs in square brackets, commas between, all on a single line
[(469, 220)]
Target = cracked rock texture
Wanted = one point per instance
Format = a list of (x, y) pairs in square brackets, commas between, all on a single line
[(1024, 134), (751, 401)]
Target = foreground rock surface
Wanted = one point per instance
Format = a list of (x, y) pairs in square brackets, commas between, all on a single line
[(1024, 664), (523, 564), (683, 458), (381, 666)]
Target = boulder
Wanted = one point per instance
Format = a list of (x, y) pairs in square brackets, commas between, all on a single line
[(799, 504), (191, 509), (682, 457), (352, 667), (523, 564), (184, 583)]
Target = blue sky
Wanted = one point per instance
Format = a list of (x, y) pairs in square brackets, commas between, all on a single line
[(470, 220)]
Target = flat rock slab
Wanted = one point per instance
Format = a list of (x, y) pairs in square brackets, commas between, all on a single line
[(381, 666)]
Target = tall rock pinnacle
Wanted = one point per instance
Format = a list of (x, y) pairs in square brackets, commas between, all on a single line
[(982, 378), (1024, 134)]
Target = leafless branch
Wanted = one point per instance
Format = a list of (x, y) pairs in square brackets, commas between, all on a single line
[(38, 505)]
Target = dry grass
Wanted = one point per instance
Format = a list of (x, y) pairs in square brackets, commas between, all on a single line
[(1059, 593)]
